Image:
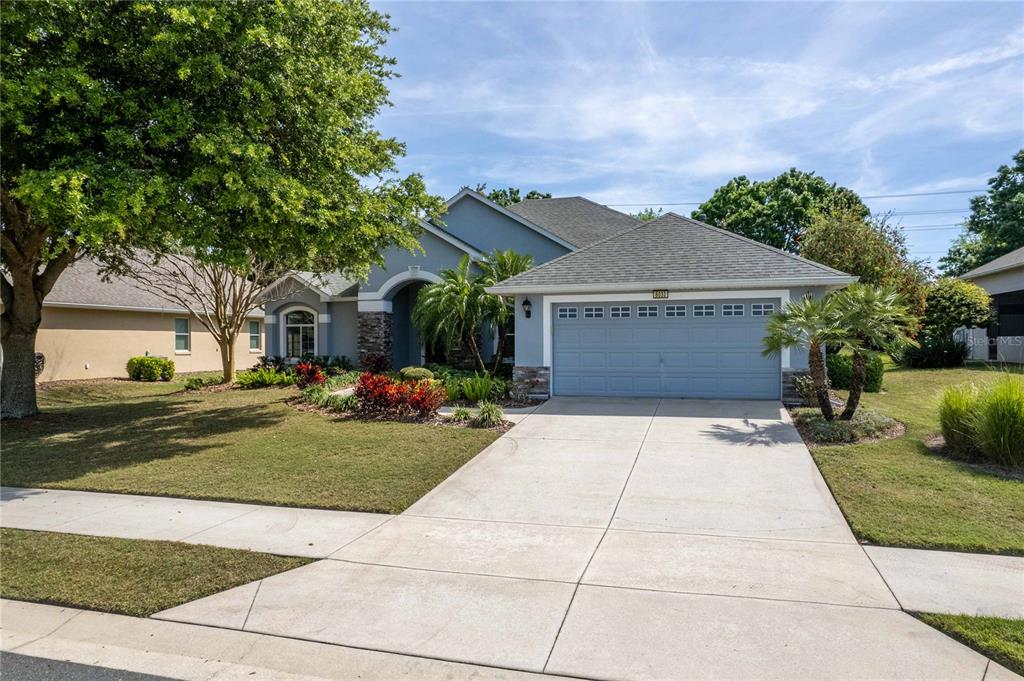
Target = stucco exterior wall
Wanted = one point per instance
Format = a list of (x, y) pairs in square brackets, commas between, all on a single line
[(1002, 282), (437, 255), (487, 229), (89, 343)]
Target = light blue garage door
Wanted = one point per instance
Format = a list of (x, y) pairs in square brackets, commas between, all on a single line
[(684, 348)]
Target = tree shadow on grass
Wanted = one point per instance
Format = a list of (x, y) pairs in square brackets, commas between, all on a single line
[(64, 445)]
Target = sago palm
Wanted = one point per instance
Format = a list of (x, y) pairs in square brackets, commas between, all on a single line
[(499, 310), (875, 319), (809, 323)]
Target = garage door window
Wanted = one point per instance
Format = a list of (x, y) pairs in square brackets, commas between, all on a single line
[(762, 309), (593, 313), (646, 310), (619, 311), (567, 313), (703, 310), (732, 310), (675, 310)]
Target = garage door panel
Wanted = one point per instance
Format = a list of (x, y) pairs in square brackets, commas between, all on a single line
[(665, 356)]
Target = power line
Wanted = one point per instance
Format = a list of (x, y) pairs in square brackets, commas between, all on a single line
[(943, 211), (873, 196)]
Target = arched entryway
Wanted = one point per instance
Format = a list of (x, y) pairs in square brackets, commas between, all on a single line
[(385, 319)]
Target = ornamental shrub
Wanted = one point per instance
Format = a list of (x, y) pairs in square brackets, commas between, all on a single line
[(477, 388), (263, 378), (150, 369), (840, 372), (416, 374), (935, 352), (309, 374), (488, 416), (377, 363), (426, 398), (460, 415), (952, 303)]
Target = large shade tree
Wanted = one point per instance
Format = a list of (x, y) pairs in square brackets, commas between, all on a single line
[(996, 223), (231, 132), (509, 195), (872, 248), (778, 211)]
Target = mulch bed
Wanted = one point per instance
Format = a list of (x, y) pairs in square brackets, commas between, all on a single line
[(438, 420)]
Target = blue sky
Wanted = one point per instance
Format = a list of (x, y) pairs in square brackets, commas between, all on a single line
[(661, 103)]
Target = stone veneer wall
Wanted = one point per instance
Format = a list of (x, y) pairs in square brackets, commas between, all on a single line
[(374, 335), (790, 397), (531, 382)]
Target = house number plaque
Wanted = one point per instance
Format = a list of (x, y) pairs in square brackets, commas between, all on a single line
[(659, 293)]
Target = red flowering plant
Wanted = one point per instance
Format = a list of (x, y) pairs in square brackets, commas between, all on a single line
[(309, 374), (381, 395), (426, 397)]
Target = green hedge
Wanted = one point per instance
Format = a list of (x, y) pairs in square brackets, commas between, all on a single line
[(150, 369), (840, 372)]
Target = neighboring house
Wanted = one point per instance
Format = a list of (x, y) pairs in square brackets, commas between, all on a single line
[(1003, 279), (670, 308), (90, 328), (330, 315)]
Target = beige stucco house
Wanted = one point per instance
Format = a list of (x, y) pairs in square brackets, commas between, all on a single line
[(1003, 280), (91, 327)]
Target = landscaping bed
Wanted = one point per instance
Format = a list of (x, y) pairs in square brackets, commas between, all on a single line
[(230, 445), (125, 576), (899, 492)]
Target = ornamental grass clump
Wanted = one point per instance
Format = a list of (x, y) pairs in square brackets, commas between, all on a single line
[(999, 422), (987, 424)]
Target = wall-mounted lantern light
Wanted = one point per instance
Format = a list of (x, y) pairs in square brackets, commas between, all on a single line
[(527, 307)]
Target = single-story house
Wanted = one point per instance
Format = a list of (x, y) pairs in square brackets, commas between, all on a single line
[(1003, 280), (331, 315), (90, 328), (670, 308)]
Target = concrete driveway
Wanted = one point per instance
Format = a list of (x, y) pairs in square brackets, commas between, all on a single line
[(615, 539)]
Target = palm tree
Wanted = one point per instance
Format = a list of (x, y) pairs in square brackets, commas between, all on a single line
[(453, 309), (498, 266), (811, 323), (874, 319)]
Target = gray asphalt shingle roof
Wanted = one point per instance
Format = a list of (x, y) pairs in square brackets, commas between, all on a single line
[(81, 285), (579, 221), (672, 250), (1003, 262)]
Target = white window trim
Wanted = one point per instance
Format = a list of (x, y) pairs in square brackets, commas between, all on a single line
[(547, 303), (283, 336), (762, 309), (187, 334), (259, 335), (628, 309), (676, 311), (645, 311), (571, 312), (593, 312), (700, 310), (735, 308)]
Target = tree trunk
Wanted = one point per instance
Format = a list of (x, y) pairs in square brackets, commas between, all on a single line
[(820, 377), (227, 360), (18, 376), (860, 367), (498, 352)]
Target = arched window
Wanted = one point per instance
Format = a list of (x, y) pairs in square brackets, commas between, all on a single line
[(299, 333)]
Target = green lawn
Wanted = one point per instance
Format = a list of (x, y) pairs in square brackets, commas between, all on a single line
[(899, 493), (232, 445), (126, 576), (999, 639)]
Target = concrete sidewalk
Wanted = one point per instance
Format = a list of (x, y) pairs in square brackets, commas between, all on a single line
[(273, 529), (182, 651), (616, 539)]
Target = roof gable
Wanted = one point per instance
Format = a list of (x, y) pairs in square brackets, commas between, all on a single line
[(469, 194), (575, 218), (673, 252), (1004, 262)]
